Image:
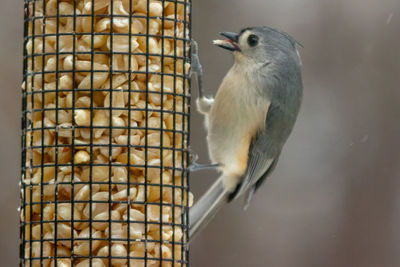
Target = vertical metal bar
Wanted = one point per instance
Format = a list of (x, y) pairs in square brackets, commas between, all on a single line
[(183, 249), (92, 90), (174, 127), (161, 132), (56, 139), (110, 134), (43, 112), (128, 209), (187, 57), (24, 126), (146, 132), (32, 126)]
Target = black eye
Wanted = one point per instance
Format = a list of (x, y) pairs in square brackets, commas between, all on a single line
[(252, 40)]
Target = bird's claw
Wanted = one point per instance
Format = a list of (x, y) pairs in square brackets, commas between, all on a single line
[(194, 166)]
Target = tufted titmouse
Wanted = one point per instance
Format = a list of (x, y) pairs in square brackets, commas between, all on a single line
[(251, 116)]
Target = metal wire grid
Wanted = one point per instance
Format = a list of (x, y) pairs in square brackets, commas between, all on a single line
[(36, 150)]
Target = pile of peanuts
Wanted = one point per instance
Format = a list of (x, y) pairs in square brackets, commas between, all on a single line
[(78, 84)]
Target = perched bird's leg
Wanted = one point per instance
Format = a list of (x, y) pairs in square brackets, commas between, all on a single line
[(196, 68), (194, 166), (204, 104)]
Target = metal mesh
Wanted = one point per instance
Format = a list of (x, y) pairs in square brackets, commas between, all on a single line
[(105, 133)]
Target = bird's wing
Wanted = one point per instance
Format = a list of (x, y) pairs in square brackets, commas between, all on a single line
[(252, 190), (285, 92), (265, 148)]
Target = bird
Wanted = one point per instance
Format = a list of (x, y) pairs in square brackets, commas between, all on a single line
[(251, 117)]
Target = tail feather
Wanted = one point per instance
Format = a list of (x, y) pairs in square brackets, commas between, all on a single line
[(207, 206)]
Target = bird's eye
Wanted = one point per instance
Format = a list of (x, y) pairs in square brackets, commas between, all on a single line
[(252, 40)]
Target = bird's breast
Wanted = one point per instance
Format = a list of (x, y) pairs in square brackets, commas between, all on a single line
[(236, 116)]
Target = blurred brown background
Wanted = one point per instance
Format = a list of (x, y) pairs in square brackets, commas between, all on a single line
[(334, 199)]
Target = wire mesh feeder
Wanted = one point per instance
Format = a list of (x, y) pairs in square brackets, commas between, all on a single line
[(105, 132)]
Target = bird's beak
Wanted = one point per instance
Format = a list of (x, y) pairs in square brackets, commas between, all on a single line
[(230, 43)]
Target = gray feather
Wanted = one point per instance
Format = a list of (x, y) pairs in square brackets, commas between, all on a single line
[(206, 207)]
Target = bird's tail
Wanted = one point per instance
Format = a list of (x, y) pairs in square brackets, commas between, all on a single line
[(207, 206)]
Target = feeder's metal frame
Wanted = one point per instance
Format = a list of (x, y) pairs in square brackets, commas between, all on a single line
[(27, 126)]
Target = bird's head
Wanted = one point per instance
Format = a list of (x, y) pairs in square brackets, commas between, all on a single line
[(259, 45)]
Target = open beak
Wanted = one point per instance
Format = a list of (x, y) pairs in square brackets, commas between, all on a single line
[(230, 43)]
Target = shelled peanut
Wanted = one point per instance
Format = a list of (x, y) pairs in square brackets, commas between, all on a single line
[(86, 95)]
